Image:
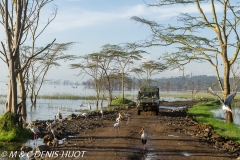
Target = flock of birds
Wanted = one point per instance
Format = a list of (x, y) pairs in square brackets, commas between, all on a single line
[(142, 132), (116, 126), (58, 116), (51, 126)]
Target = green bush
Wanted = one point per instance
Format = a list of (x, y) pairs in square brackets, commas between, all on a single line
[(11, 132), (119, 101)]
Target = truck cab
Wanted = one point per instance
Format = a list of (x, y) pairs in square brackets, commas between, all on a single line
[(148, 99)]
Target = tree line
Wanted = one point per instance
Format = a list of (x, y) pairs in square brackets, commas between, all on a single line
[(188, 83)]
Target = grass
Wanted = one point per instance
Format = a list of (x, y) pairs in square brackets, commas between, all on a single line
[(76, 97), (203, 114), (65, 96), (117, 103)]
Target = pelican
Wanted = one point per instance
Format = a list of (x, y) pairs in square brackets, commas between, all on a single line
[(128, 116), (59, 115), (227, 102), (143, 138)]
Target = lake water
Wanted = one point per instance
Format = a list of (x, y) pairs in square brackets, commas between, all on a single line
[(220, 114), (46, 108)]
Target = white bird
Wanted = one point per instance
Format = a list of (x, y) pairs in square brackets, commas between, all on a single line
[(119, 118), (59, 115), (89, 106), (116, 126), (143, 138), (101, 111), (227, 102), (54, 123), (84, 115), (35, 130)]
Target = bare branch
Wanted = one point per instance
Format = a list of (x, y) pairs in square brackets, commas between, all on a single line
[(28, 60)]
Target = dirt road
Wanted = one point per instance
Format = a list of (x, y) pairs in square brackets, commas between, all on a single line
[(166, 141)]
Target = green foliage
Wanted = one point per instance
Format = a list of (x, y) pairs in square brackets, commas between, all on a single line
[(119, 101), (203, 114), (9, 131)]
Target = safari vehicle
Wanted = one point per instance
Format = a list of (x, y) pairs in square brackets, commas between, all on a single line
[(148, 99)]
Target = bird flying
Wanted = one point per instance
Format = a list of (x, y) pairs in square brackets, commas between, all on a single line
[(227, 102)]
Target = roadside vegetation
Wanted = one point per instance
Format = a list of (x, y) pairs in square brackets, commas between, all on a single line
[(118, 103), (11, 132), (202, 113)]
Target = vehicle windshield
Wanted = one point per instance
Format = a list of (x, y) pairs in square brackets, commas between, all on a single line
[(143, 95)]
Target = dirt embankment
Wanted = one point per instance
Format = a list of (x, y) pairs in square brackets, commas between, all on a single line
[(171, 135)]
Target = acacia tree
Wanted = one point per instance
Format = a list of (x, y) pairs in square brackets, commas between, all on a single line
[(105, 60), (124, 56), (147, 69), (16, 17), (35, 72), (35, 31), (193, 45), (89, 66)]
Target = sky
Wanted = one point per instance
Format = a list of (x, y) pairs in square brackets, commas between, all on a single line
[(94, 23)]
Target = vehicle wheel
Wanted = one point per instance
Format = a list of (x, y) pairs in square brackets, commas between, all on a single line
[(139, 112), (157, 112)]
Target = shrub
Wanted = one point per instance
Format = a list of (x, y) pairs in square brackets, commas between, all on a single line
[(11, 132), (119, 101)]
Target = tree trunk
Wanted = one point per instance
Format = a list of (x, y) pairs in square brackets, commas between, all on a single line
[(109, 91), (23, 96), (122, 88), (226, 89), (12, 93)]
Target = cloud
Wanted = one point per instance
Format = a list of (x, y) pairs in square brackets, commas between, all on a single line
[(79, 17), (76, 17)]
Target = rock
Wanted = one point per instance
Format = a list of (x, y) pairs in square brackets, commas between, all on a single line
[(42, 148), (26, 148)]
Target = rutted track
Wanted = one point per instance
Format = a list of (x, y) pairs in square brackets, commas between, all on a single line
[(166, 140)]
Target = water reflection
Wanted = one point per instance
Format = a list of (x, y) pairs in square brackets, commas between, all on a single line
[(220, 114), (46, 109)]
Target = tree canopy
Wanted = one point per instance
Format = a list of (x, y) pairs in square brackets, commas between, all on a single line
[(204, 36)]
